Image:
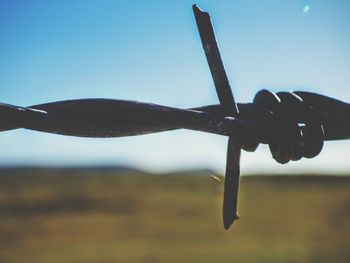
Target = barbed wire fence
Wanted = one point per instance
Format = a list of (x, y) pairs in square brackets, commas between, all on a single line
[(293, 124)]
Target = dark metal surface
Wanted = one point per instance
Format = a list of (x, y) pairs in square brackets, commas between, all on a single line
[(105, 118), (215, 63), (229, 107), (294, 125)]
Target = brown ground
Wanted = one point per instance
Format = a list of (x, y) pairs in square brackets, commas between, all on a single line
[(100, 217)]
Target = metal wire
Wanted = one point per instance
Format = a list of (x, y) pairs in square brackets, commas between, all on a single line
[(294, 125), (103, 118)]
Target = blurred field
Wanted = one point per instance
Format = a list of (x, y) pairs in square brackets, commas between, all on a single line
[(103, 217)]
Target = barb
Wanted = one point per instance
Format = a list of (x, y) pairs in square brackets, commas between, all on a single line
[(294, 125), (229, 107)]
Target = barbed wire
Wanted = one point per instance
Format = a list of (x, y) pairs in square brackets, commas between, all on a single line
[(104, 118), (293, 124)]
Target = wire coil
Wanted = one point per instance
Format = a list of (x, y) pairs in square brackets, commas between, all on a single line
[(288, 125)]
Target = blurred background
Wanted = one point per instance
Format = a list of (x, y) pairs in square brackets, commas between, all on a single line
[(151, 52), (165, 203)]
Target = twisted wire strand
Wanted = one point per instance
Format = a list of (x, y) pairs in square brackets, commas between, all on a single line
[(116, 118), (293, 124)]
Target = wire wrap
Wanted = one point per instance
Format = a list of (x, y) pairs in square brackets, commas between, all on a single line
[(292, 128)]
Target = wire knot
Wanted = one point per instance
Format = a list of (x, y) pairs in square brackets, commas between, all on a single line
[(289, 126)]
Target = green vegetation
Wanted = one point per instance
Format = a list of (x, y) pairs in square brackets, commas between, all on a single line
[(100, 217)]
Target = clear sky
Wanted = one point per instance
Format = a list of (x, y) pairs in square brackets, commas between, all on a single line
[(150, 51)]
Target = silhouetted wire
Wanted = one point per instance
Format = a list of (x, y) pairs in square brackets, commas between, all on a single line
[(293, 124)]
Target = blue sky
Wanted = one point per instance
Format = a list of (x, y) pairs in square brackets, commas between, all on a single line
[(150, 51)]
